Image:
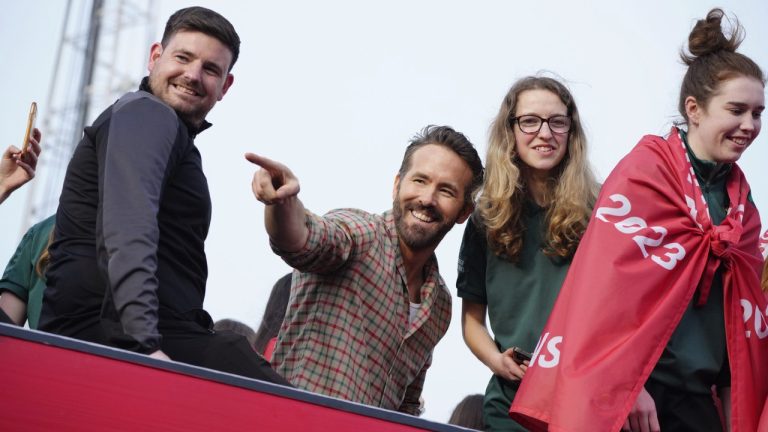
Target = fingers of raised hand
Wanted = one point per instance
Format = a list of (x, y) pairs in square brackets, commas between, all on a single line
[(28, 168), (263, 188), (34, 141), (30, 157), (11, 152), (265, 163), (274, 182), (289, 188), (25, 161)]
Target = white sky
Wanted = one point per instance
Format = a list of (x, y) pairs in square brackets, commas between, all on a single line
[(335, 89)]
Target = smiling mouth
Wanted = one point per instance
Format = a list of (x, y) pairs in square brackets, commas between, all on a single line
[(185, 90), (422, 216), (740, 141), (544, 149)]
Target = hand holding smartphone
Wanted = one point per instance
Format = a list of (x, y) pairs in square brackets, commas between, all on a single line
[(520, 356), (30, 127)]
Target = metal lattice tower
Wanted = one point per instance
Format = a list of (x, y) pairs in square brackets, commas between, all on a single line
[(102, 53)]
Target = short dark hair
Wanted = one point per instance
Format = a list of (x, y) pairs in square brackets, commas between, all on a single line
[(205, 21), (274, 313), (456, 141), (469, 413), (236, 327)]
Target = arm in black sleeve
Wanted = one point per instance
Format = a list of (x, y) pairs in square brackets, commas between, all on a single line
[(141, 144)]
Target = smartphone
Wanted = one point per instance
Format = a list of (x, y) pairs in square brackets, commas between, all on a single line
[(520, 356), (30, 127)]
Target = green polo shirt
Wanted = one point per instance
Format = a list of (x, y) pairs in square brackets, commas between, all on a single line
[(696, 356), (519, 297), (20, 276)]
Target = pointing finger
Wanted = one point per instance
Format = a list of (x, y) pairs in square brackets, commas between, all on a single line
[(267, 164)]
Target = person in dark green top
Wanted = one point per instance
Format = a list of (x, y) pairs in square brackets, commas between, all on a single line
[(721, 102), (22, 285), (535, 204), (696, 357), (17, 167)]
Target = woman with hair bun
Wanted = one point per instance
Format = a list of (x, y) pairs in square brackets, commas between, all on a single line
[(663, 300), (535, 205)]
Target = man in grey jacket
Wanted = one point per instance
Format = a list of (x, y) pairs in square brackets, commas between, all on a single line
[(128, 265)]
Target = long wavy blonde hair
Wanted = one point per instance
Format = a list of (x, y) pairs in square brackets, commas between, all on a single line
[(570, 194), (45, 257)]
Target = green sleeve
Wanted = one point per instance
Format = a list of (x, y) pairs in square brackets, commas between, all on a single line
[(19, 273), (470, 282)]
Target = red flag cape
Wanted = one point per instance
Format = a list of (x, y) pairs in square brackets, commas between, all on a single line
[(649, 247)]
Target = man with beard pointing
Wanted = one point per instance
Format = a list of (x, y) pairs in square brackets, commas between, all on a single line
[(367, 303)]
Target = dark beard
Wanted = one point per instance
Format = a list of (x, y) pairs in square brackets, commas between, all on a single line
[(417, 238), (191, 116)]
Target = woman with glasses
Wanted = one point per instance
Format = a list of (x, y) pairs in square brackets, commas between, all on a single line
[(663, 301), (534, 206)]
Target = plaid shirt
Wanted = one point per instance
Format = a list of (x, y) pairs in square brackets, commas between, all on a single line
[(346, 332)]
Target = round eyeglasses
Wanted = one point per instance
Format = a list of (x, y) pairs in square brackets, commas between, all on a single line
[(531, 123)]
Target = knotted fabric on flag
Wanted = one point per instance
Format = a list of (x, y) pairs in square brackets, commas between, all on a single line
[(649, 247)]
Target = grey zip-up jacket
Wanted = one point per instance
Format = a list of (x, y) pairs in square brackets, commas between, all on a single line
[(133, 216)]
